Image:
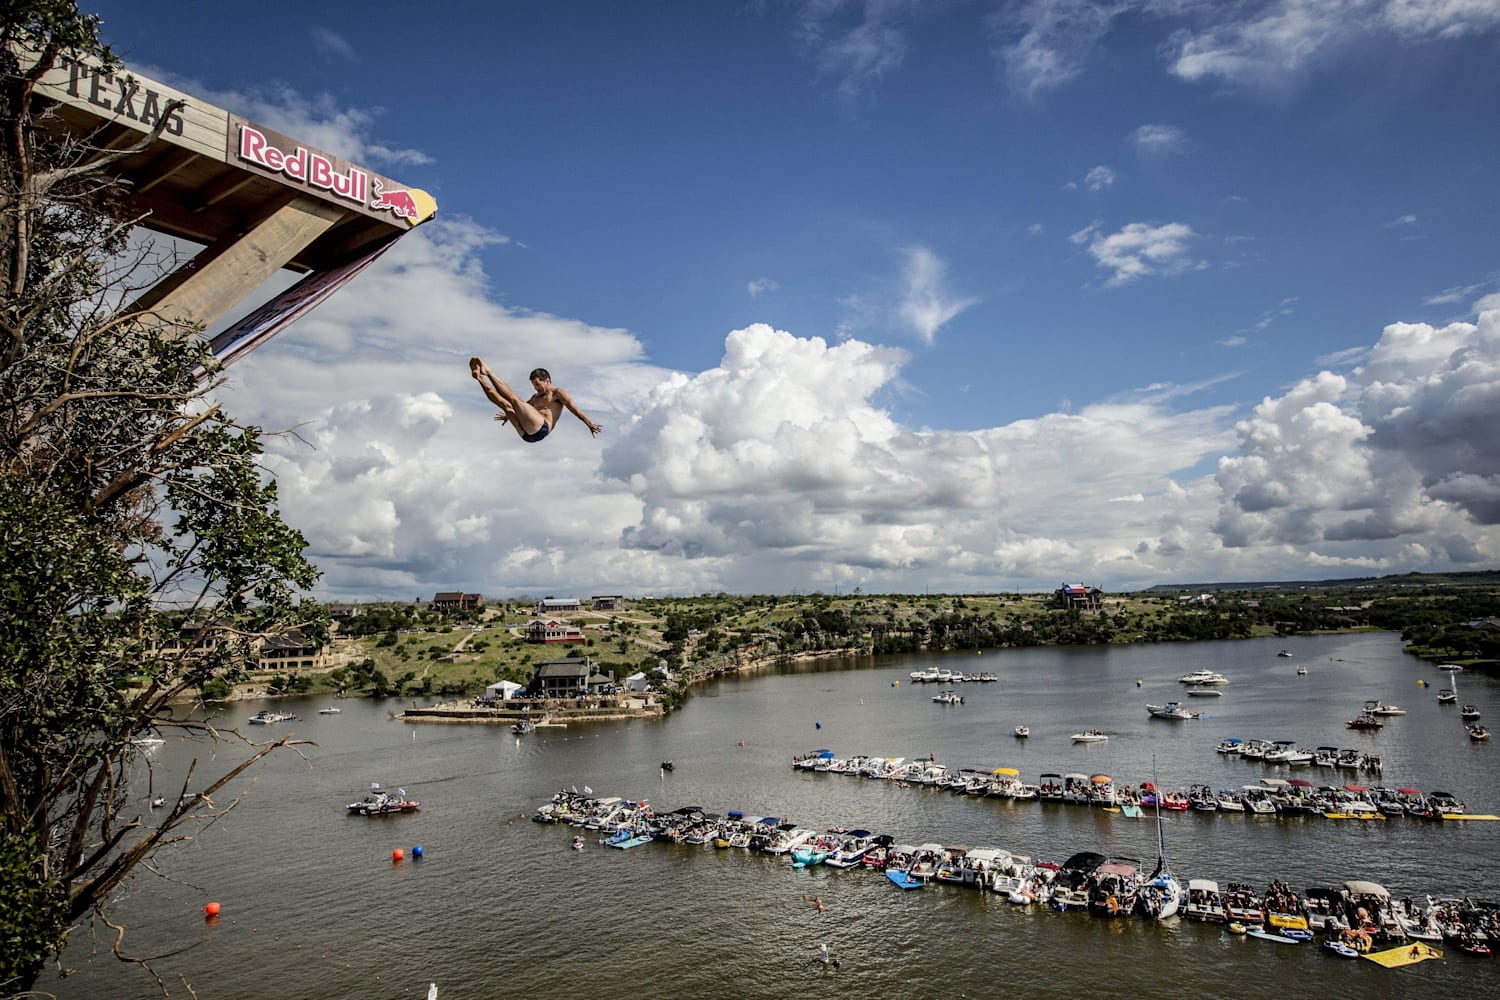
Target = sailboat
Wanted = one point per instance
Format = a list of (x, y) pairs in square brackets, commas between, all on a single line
[(1161, 894)]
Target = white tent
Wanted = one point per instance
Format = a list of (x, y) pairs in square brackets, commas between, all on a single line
[(503, 690), (636, 682)]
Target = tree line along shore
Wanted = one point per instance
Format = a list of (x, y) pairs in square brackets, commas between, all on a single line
[(410, 651)]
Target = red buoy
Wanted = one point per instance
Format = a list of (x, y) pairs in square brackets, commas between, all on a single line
[(211, 910), (397, 854)]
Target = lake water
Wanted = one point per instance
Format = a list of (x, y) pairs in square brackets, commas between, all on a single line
[(313, 905)]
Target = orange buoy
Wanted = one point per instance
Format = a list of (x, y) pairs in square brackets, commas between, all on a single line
[(211, 910), (397, 854)]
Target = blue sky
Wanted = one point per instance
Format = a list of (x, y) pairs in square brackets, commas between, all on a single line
[(896, 295)]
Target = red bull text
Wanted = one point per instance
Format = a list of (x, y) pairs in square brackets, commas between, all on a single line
[(313, 169)]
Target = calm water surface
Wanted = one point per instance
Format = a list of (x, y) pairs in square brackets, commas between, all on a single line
[(499, 906)]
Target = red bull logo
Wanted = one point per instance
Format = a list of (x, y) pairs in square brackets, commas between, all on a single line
[(399, 203)]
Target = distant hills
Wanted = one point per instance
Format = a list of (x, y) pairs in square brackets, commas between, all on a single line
[(1478, 578)]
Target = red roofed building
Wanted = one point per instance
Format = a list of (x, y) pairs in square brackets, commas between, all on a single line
[(551, 630)]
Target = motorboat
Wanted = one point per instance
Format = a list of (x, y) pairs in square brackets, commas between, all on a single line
[(1090, 736), (1302, 670), (1256, 749), (948, 698), (1230, 801), (1365, 721), (1204, 902), (1232, 745), (1171, 710), (379, 803), (1478, 733), (1203, 677), (523, 727), (1243, 905), (1380, 708), (330, 710), (1447, 696), (1286, 752), (1284, 652), (1204, 692), (1022, 732), (1469, 713), (267, 717)]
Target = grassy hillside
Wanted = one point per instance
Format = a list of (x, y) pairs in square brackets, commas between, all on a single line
[(410, 652)]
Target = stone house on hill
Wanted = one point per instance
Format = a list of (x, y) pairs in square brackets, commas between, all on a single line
[(569, 678)]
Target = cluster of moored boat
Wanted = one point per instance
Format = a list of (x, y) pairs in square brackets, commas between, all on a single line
[(1355, 917), (1268, 796), (268, 717), (942, 675)]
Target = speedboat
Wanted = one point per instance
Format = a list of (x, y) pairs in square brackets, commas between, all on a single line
[(1089, 736), (1204, 901), (379, 803), (1468, 713), (1022, 732), (331, 710), (1478, 733), (1365, 721), (1447, 696), (1302, 671), (1171, 710), (1204, 692), (266, 717), (1232, 745), (1380, 708), (948, 698)]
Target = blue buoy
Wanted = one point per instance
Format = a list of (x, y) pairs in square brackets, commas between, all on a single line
[(416, 851), (818, 724)]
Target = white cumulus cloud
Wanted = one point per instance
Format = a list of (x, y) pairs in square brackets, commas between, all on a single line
[(1140, 250)]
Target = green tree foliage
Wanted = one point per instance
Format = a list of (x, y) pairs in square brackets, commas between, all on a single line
[(124, 492)]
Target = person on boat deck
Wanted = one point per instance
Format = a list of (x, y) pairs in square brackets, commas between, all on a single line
[(532, 418)]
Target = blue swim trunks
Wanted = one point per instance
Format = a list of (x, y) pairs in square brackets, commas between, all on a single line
[(534, 438)]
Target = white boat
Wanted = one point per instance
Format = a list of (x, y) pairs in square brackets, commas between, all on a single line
[(1089, 736), (1204, 692), (1022, 732), (1376, 707), (1171, 710), (330, 710), (1232, 745), (1469, 713), (1286, 752), (1204, 902), (1204, 677), (1302, 671), (948, 698), (266, 717), (1229, 801)]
